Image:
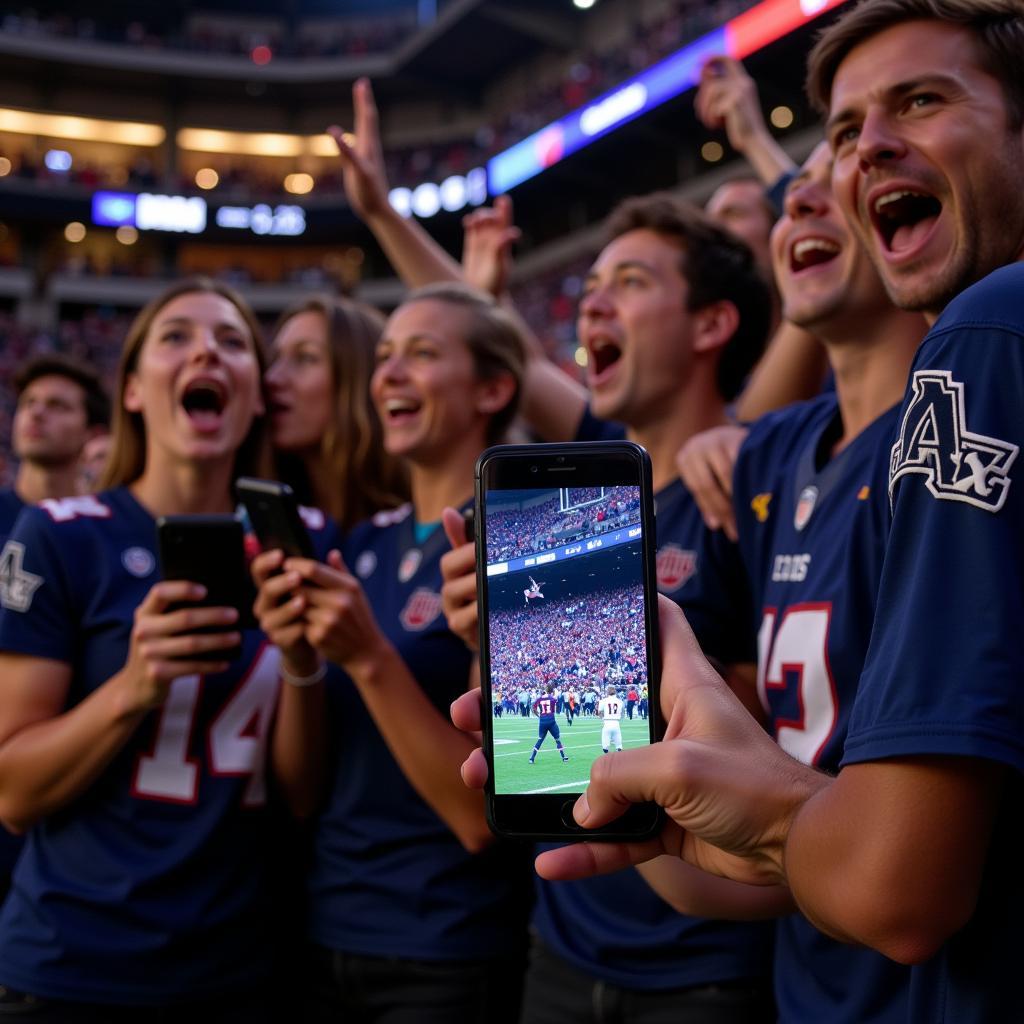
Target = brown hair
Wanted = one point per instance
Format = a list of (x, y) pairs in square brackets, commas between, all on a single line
[(996, 25), (56, 364), (367, 479), (717, 267), (494, 340), (127, 458)]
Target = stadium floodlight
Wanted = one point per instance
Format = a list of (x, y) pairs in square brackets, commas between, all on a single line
[(738, 38), (58, 160)]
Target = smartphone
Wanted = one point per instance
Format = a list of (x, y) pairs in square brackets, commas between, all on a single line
[(274, 516), (210, 550), (568, 629)]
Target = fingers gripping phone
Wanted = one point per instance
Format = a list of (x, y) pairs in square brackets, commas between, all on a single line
[(274, 515), (209, 550), (568, 628)]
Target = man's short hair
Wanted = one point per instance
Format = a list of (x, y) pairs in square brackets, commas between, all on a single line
[(717, 267), (55, 364), (996, 25)]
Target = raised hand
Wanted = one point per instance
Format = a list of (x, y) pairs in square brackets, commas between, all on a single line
[(706, 463), (488, 236), (362, 159)]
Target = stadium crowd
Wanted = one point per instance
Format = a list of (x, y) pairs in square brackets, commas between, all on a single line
[(542, 526), (583, 641), (217, 815)]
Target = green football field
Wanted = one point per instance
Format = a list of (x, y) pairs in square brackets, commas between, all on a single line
[(514, 738)]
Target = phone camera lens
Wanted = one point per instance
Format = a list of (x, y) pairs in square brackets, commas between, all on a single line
[(533, 469), (561, 458)]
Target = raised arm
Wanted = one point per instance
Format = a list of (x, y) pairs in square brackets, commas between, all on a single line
[(50, 756), (727, 99), (426, 746), (415, 256)]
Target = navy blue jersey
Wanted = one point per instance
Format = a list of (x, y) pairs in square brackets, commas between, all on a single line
[(545, 708), (10, 508), (614, 927), (812, 531), (389, 878), (149, 887), (590, 428), (946, 663)]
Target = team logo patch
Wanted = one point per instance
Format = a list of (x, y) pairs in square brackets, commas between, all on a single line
[(805, 507), (934, 441), (138, 561), (420, 610), (409, 564), (17, 584), (759, 503), (675, 566), (365, 564), (312, 517)]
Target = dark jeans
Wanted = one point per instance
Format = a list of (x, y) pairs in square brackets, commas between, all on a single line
[(558, 993), (248, 1008), (350, 989)]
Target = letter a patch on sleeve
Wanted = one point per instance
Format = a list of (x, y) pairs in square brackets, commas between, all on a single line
[(17, 584), (934, 441)]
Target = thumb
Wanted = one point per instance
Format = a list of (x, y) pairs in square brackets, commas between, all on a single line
[(454, 527), (335, 561)]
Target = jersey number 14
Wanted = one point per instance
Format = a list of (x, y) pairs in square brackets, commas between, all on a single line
[(236, 743)]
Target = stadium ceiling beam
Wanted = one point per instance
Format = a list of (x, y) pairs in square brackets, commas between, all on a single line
[(551, 30)]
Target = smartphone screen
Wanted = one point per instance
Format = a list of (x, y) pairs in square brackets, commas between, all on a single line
[(568, 627)]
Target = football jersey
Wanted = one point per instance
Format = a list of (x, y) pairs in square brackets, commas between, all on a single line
[(149, 887), (10, 507), (610, 709), (615, 927), (945, 667), (389, 878), (545, 708), (812, 530)]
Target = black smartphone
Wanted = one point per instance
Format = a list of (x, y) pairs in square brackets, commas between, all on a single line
[(210, 550), (569, 652), (274, 515)]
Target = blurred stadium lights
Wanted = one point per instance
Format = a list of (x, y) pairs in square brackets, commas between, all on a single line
[(57, 160), (261, 55), (86, 129), (5, 167), (75, 231), (584, 5), (126, 234), (712, 152), (738, 38), (207, 177), (299, 183), (781, 117), (454, 193)]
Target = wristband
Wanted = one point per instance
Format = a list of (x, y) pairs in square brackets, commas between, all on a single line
[(310, 680)]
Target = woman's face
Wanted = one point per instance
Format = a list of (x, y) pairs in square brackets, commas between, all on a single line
[(425, 387), (300, 383), (196, 381)]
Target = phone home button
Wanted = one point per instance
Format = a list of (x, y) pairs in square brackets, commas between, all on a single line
[(567, 819)]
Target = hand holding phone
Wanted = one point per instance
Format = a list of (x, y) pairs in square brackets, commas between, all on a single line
[(209, 550), (568, 628), (274, 515)]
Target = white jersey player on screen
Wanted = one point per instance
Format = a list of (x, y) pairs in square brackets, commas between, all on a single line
[(610, 710), (532, 591)]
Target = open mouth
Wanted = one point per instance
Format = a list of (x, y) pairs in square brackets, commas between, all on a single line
[(204, 402), (812, 252), (400, 410), (903, 217), (603, 353)]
